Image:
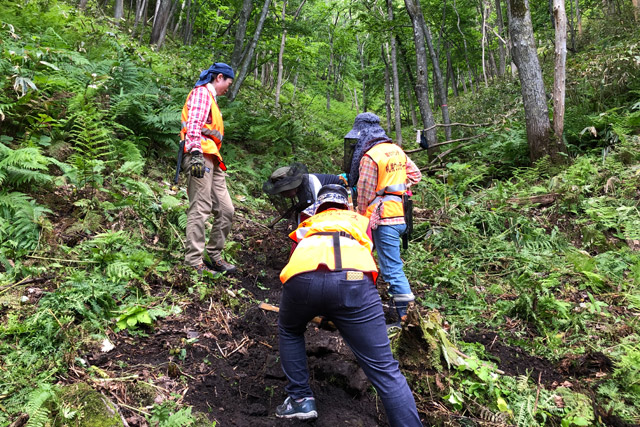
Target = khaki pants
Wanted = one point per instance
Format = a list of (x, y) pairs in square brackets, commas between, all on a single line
[(207, 195)]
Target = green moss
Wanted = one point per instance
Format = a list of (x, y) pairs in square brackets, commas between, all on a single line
[(93, 409)]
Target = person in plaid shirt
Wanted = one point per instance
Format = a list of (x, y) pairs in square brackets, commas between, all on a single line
[(382, 173), (202, 133)]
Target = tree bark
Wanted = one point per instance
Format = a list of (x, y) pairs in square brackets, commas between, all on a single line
[(437, 73), (387, 85), (164, 12), (422, 84), (636, 9), (560, 70), (241, 31), (82, 5), (118, 10), (283, 41), (539, 134), (396, 80), (243, 67), (502, 67), (454, 82), (362, 69)]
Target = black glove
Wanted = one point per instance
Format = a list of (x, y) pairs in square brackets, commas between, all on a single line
[(197, 164)]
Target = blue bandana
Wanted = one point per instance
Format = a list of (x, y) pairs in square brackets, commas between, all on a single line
[(217, 68)]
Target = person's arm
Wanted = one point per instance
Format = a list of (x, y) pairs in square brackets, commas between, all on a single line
[(199, 106), (367, 183), (413, 173)]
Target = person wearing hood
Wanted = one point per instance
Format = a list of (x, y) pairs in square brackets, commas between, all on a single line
[(382, 173), (332, 273), (202, 133)]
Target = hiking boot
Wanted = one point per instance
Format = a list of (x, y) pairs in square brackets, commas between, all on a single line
[(221, 266), (200, 268), (302, 409)]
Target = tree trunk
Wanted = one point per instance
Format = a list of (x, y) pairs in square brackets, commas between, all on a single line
[(539, 133), (396, 80), (82, 5), (466, 56), (502, 67), (163, 16), (387, 85), (636, 9), (118, 10), (437, 73), (243, 67), (484, 12), (454, 83), (241, 31), (412, 108), (283, 41), (422, 84), (560, 70), (579, 17), (362, 69)]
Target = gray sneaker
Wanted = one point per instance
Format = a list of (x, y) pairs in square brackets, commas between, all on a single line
[(302, 409)]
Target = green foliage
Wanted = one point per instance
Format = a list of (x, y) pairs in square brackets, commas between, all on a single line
[(168, 415)]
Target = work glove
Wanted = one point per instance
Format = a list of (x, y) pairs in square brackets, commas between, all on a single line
[(197, 165)]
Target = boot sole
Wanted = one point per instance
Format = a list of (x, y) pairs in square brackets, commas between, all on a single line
[(300, 416)]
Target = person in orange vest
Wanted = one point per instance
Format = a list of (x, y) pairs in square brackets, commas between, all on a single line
[(382, 173), (332, 273), (202, 133)]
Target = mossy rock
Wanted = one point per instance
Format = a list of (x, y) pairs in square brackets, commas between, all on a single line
[(94, 410)]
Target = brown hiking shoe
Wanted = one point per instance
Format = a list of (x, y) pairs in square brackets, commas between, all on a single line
[(221, 266), (202, 267)]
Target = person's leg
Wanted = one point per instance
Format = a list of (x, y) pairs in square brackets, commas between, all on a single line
[(199, 192), (360, 320), (387, 241), (222, 209), (293, 317)]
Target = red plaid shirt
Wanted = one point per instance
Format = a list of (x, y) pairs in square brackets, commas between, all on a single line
[(199, 106), (368, 182)]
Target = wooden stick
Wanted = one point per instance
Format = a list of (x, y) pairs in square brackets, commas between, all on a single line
[(317, 320)]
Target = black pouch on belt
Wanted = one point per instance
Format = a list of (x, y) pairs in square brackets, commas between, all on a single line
[(407, 205)]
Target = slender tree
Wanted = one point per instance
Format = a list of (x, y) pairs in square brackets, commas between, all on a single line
[(247, 57), (560, 69), (396, 80), (539, 134), (422, 84)]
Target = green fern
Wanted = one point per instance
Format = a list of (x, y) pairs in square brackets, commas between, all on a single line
[(36, 406), (23, 166)]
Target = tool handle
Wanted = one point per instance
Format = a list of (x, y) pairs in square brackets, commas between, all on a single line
[(179, 163)]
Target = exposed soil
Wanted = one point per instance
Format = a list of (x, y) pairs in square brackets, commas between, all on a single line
[(225, 362), (220, 354)]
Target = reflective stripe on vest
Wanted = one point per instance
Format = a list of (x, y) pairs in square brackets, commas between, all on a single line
[(392, 179), (317, 245), (212, 133)]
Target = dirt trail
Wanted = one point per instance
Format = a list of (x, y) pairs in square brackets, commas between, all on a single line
[(225, 362)]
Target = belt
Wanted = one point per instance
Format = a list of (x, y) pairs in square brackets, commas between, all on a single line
[(337, 254)]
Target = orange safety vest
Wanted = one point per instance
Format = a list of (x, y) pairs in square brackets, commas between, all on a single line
[(392, 179), (334, 238), (212, 133)]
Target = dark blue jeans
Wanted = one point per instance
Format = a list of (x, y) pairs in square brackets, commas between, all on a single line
[(356, 310)]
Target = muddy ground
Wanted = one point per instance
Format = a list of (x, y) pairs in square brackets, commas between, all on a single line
[(220, 354)]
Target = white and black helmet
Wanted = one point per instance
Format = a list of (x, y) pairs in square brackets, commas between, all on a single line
[(331, 196)]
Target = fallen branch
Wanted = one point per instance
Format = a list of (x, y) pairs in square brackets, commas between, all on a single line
[(445, 125), (543, 199), (446, 143)]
